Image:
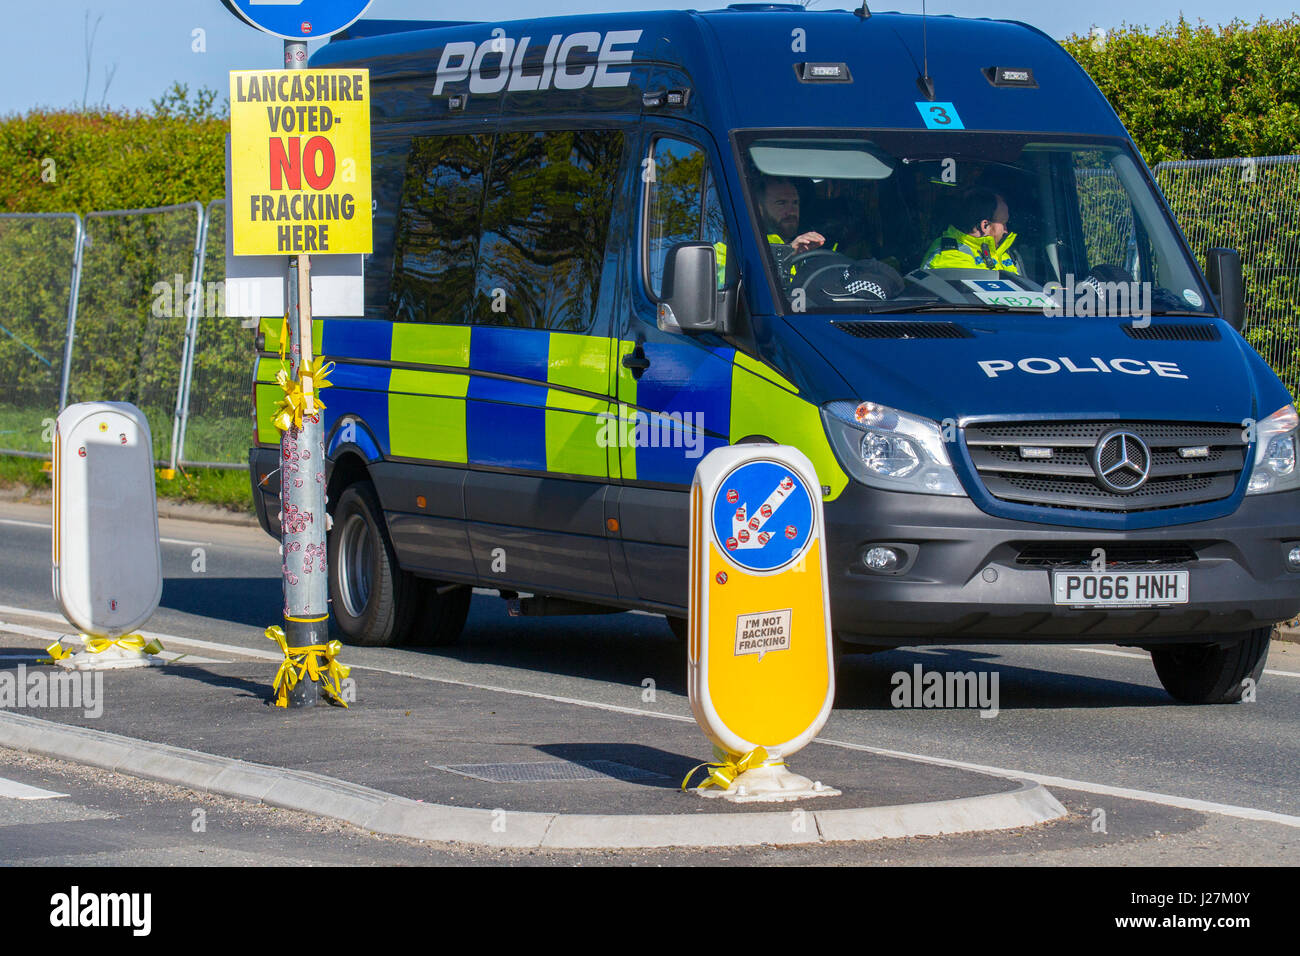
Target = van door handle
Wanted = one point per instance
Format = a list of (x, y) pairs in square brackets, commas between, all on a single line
[(636, 362)]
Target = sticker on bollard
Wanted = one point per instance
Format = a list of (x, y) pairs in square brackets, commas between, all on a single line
[(762, 678)]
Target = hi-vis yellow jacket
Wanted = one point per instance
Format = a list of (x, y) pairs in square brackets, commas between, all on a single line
[(972, 252)]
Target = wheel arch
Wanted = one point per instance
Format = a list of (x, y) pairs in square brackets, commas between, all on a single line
[(346, 469)]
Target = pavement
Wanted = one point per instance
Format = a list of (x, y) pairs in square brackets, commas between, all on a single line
[(444, 760)]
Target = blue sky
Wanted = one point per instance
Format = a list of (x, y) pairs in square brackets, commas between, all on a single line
[(148, 44)]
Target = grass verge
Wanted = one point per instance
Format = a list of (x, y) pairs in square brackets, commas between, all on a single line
[(210, 486)]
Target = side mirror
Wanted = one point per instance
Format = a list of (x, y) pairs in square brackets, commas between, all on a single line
[(690, 289), (1223, 269)]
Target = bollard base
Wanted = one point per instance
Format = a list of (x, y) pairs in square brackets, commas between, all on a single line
[(770, 783), (109, 659)]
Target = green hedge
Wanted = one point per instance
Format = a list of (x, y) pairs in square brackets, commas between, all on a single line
[(1199, 92), (126, 349), (114, 160)]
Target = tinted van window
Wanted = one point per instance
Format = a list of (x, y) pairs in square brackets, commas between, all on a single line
[(545, 222), (434, 254)]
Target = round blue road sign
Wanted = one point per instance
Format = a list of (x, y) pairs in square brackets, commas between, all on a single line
[(299, 19), (762, 516)]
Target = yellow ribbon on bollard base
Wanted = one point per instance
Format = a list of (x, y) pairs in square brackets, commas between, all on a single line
[(289, 410), (97, 645), (304, 662), (725, 768)]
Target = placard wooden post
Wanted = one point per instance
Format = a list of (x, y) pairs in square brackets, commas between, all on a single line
[(299, 184)]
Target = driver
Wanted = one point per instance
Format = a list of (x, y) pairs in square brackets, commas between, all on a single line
[(779, 204), (978, 237), (778, 199), (778, 207)]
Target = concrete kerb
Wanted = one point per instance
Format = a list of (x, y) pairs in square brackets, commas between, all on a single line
[(390, 814)]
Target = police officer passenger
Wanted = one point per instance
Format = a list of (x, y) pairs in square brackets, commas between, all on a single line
[(978, 237)]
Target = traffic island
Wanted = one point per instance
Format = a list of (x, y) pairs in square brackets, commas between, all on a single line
[(451, 763)]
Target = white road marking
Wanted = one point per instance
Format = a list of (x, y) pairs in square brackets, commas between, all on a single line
[(37, 524), (30, 613), (1099, 650), (1047, 780), (1065, 783), (1147, 657), (21, 791)]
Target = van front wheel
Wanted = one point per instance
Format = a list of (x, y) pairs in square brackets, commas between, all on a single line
[(1210, 673)]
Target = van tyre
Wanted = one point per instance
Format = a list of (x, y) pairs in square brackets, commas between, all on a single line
[(680, 627), (372, 599), (439, 618), (1209, 673)]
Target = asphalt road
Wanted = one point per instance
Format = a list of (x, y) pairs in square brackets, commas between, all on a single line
[(1093, 722)]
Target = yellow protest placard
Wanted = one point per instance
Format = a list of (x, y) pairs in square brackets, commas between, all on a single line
[(300, 162)]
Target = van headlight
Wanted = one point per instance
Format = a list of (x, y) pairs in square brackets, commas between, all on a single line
[(885, 448), (1275, 453)]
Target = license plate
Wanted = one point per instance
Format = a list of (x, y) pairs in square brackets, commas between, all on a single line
[(1119, 589)]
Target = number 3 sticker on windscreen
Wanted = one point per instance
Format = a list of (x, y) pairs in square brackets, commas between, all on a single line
[(940, 116)]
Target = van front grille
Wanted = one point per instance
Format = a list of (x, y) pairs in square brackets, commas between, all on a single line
[(1121, 554), (1050, 464)]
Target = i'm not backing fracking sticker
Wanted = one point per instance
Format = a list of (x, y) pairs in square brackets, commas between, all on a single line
[(300, 162), (763, 632), (762, 516)]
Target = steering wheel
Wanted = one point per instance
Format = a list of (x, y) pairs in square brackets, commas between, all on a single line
[(801, 257), (804, 276)]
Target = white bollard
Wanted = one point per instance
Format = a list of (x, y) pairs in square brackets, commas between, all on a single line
[(761, 676), (107, 566)]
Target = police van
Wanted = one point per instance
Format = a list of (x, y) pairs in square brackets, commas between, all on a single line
[(926, 253)]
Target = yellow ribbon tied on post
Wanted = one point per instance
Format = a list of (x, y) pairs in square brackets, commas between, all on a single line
[(97, 645), (304, 662), (726, 768), (311, 380)]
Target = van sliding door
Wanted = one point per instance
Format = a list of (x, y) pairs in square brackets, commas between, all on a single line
[(539, 391)]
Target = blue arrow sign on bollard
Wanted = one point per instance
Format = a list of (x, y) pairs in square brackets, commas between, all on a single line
[(762, 518), (298, 19)]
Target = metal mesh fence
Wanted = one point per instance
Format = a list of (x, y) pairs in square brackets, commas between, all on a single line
[(38, 254), (130, 336), (1105, 211), (143, 298), (217, 427), (1252, 205)]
